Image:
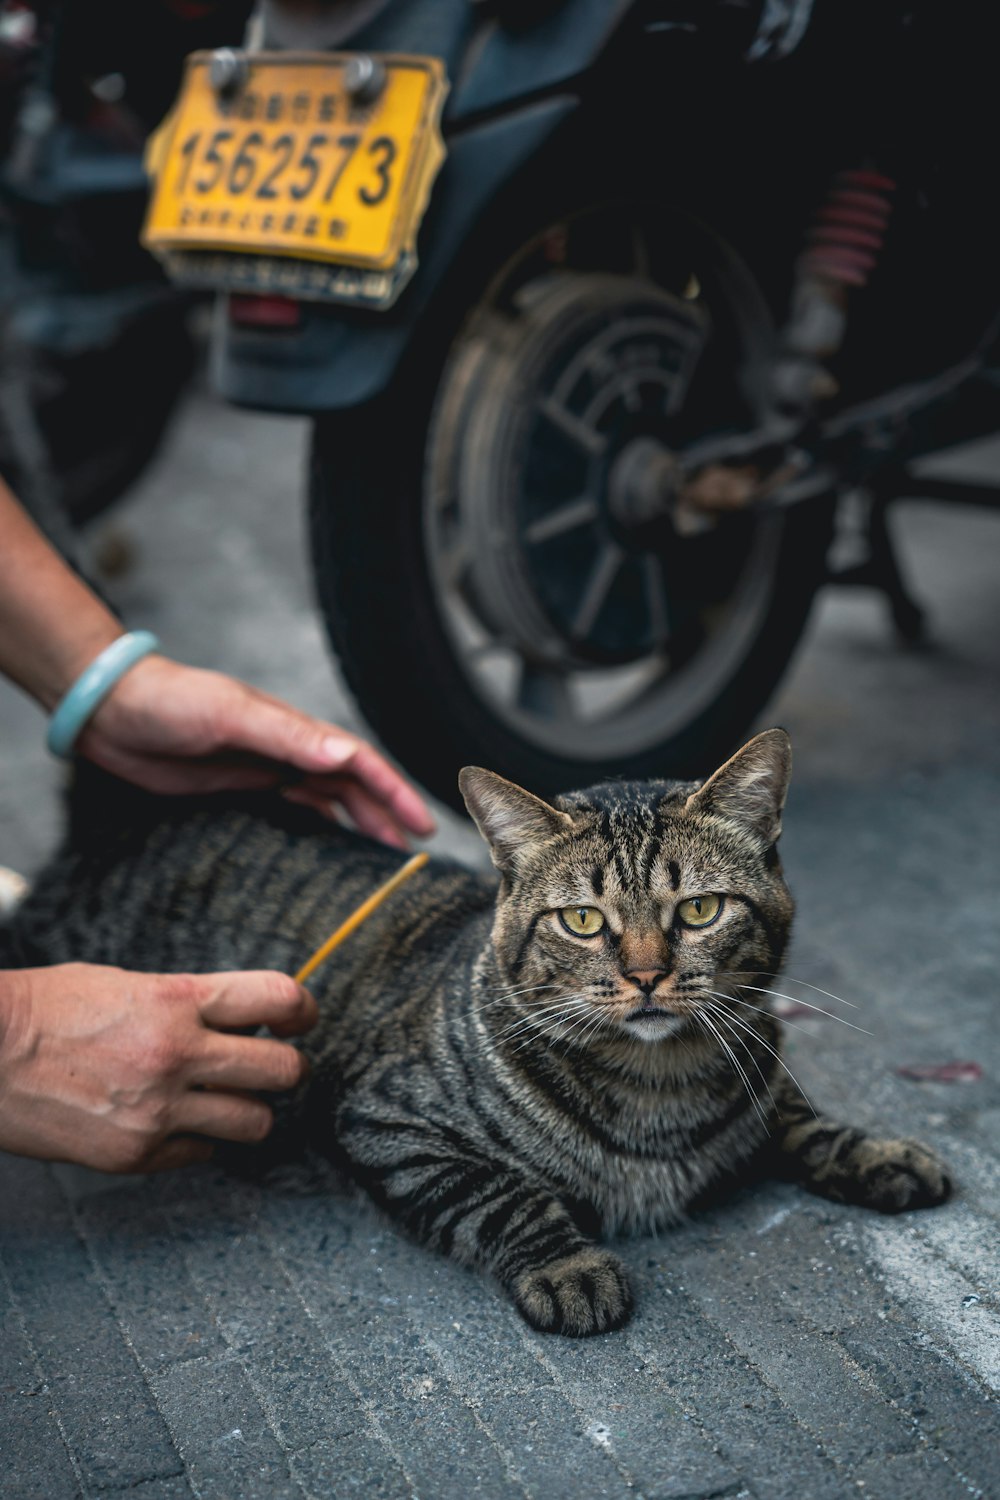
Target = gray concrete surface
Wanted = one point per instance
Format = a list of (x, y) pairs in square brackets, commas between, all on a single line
[(196, 1335)]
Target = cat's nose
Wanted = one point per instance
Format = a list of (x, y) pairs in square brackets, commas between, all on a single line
[(646, 979)]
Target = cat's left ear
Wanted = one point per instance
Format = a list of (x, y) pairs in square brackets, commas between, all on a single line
[(510, 819), (751, 787)]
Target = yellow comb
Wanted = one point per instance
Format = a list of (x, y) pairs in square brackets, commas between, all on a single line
[(362, 914)]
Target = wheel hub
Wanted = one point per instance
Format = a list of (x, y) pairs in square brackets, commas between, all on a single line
[(642, 486), (566, 476)]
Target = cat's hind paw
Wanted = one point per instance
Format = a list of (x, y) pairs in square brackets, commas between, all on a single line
[(584, 1293)]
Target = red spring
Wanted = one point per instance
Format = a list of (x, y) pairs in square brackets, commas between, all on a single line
[(848, 231)]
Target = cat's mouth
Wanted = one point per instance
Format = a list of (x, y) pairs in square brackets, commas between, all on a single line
[(650, 1019), (650, 1008)]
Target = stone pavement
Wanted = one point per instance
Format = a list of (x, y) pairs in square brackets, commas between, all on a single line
[(201, 1335)]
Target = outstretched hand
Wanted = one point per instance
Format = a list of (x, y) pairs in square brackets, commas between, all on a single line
[(176, 729)]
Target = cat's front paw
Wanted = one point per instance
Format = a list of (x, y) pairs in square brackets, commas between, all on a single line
[(895, 1175), (584, 1293)]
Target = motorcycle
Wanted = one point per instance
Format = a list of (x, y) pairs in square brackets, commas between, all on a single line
[(600, 307), (96, 345)]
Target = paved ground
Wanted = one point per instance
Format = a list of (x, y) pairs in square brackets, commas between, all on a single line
[(197, 1335)]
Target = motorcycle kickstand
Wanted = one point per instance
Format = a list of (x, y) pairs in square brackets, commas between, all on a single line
[(880, 569)]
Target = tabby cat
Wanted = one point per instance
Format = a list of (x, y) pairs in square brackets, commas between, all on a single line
[(508, 1071)]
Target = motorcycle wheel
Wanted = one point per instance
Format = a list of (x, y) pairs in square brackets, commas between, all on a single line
[(494, 583), (110, 410), (100, 413)]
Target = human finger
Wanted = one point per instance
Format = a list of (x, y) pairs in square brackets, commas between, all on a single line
[(319, 802), (223, 1115), (171, 775), (371, 817), (178, 1151), (268, 727), (385, 786), (236, 1062), (257, 998)]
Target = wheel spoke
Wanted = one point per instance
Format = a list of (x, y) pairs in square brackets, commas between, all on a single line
[(657, 599), (494, 645), (573, 427), (545, 694), (693, 340), (454, 563), (568, 517), (602, 577)]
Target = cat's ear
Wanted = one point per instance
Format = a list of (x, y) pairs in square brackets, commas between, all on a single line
[(509, 818), (752, 786)]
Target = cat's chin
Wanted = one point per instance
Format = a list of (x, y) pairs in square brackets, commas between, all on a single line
[(653, 1025)]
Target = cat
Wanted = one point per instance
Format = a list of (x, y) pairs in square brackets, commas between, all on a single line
[(510, 1070)]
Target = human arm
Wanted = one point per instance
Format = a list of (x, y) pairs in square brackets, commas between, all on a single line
[(51, 623), (178, 729)]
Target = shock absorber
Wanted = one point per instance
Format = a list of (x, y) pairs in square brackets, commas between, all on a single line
[(848, 231), (841, 252)]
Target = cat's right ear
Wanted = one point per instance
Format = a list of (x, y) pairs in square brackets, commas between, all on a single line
[(752, 786), (510, 819)]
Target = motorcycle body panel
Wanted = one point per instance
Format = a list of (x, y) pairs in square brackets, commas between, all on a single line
[(338, 358), (669, 107), (510, 95)]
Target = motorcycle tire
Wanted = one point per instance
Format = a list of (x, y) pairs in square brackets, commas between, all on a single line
[(383, 617)]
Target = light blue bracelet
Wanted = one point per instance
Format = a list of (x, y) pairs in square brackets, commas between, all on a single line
[(92, 687)]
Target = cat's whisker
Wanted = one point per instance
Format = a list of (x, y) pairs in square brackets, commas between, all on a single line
[(777, 1057), (541, 1020), (518, 1001), (506, 997), (597, 1021), (494, 1041), (760, 1011), (576, 1016), (495, 1046), (728, 1021), (550, 1029), (582, 1030), (715, 1016), (789, 979), (535, 1015), (793, 1000), (523, 1014), (520, 989), (704, 1018)]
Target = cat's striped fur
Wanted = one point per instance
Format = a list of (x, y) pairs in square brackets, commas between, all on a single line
[(505, 1088)]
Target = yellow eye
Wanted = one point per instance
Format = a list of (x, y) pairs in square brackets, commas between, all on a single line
[(582, 921), (698, 911)]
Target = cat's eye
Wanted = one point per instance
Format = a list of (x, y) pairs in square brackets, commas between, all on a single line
[(698, 911), (582, 921)]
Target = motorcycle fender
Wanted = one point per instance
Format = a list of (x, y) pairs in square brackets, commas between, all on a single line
[(340, 357)]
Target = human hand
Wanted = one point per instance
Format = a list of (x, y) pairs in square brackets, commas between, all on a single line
[(128, 1072), (177, 729)]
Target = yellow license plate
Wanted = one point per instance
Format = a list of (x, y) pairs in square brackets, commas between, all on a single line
[(292, 165)]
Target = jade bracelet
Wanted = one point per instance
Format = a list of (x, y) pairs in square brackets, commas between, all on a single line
[(92, 686)]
